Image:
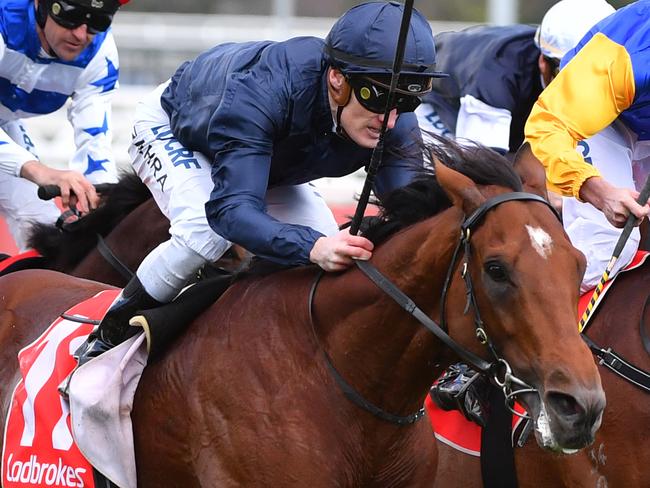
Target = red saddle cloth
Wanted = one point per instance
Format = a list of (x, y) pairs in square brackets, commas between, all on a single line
[(31, 254), (453, 429), (39, 450)]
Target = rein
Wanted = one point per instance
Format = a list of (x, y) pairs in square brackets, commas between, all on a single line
[(348, 390), (498, 370), (112, 259), (50, 191)]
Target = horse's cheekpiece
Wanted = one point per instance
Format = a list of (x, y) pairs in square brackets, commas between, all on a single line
[(463, 389)]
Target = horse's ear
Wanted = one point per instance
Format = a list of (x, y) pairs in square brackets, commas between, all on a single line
[(460, 189), (531, 171)]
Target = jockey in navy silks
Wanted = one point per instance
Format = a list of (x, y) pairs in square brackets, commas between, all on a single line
[(591, 130), (497, 73), (52, 51), (229, 145)]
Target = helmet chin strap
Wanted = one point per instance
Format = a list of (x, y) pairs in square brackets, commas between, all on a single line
[(41, 13), (41, 19), (340, 131)]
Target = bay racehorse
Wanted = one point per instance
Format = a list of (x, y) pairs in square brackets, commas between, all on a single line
[(129, 223), (292, 381), (127, 220), (620, 455)]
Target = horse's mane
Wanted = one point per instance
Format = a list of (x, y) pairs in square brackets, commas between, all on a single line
[(68, 246), (424, 197)]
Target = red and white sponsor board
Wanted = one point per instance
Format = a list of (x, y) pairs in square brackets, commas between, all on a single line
[(38, 448)]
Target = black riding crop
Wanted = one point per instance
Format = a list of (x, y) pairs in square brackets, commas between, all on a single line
[(627, 230), (377, 153)]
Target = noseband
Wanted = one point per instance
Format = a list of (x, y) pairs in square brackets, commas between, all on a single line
[(498, 370)]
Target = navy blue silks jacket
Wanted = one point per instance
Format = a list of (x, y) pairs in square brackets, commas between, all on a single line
[(495, 64), (259, 111)]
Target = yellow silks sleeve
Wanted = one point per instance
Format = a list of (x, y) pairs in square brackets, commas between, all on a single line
[(588, 94)]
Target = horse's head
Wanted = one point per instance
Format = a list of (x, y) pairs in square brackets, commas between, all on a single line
[(517, 280)]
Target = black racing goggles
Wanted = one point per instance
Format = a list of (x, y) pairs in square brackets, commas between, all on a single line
[(71, 16), (373, 94)]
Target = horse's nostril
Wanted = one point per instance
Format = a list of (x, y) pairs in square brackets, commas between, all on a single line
[(564, 404)]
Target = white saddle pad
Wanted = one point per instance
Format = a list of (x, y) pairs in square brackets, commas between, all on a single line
[(101, 400)]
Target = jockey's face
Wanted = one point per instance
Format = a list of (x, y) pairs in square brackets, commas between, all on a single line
[(362, 125), (67, 44), (548, 68)]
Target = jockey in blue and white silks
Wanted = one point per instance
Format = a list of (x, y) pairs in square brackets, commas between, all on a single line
[(35, 81), (229, 145), (591, 126), (497, 73)]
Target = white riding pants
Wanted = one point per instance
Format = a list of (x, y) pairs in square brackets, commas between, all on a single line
[(19, 202), (612, 151), (180, 182)]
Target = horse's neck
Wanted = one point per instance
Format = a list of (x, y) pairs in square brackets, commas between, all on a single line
[(383, 351)]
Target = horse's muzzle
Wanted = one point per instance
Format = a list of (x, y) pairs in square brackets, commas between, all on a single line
[(575, 418), (565, 422)]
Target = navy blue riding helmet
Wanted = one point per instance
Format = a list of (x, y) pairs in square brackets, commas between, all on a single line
[(362, 45)]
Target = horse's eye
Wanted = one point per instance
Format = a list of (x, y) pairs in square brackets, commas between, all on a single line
[(496, 271)]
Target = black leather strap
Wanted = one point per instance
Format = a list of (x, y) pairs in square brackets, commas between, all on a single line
[(407, 304), (488, 205), (618, 365), (108, 255), (497, 454), (348, 390)]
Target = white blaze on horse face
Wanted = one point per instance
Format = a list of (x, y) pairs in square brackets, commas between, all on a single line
[(542, 242)]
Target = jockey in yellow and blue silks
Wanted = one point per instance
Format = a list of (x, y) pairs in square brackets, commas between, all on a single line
[(588, 128), (496, 73)]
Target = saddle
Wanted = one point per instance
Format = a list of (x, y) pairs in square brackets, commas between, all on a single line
[(162, 325)]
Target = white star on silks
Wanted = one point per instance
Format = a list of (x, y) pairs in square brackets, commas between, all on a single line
[(95, 165), (94, 131), (108, 82)]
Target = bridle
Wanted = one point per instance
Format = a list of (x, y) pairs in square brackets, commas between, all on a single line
[(498, 370)]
